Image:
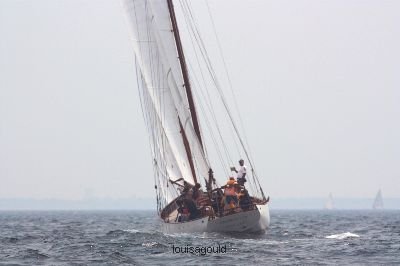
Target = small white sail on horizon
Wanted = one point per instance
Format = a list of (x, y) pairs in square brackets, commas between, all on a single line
[(378, 202), (329, 205)]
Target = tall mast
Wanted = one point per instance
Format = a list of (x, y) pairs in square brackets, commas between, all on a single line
[(184, 71)]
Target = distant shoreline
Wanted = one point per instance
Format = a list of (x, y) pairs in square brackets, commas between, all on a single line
[(99, 204)]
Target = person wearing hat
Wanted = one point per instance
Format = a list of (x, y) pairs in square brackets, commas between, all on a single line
[(241, 174)]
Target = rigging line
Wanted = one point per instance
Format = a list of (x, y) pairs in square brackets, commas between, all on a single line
[(156, 157), (203, 79), (142, 100), (211, 132), (157, 95), (152, 124), (212, 73), (223, 164), (187, 84), (227, 75), (252, 183), (154, 119), (155, 75), (192, 74), (164, 133), (190, 24), (185, 75), (151, 53), (235, 127), (159, 82), (210, 128), (210, 69), (141, 96), (206, 102), (198, 37)]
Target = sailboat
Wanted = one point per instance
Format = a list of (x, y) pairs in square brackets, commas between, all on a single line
[(329, 205), (178, 144), (378, 202)]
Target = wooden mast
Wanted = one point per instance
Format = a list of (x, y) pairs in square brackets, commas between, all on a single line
[(185, 75), (188, 89)]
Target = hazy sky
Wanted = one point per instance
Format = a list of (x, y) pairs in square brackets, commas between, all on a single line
[(318, 83)]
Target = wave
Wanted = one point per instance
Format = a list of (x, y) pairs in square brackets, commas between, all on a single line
[(152, 244), (122, 258), (122, 233), (133, 231), (9, 240), (33, 254), (119, 232), (115, 233), (343, 236)]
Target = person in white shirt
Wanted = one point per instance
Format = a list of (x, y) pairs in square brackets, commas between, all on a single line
[(241, 174)]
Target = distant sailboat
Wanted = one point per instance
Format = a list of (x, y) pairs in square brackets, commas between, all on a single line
[(378, 202), (329, 205)]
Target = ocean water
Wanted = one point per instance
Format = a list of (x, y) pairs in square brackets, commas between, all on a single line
[(134, 238)]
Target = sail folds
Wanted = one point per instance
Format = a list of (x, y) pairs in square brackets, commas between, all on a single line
[(166, 109)]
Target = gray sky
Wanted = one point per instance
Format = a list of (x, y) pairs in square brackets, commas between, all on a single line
[(318, 83)]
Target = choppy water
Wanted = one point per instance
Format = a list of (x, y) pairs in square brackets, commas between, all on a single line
[(133, 238)]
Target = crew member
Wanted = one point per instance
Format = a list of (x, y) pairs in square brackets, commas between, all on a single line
[(241, 173)]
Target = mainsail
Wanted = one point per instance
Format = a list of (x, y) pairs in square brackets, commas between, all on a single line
[(176, 146), (378, 202)]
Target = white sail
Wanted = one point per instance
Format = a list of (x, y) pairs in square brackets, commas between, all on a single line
[(156, 55), (378, 202), (330, 205)]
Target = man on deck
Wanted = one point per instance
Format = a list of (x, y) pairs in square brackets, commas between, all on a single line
[(241, 174)]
